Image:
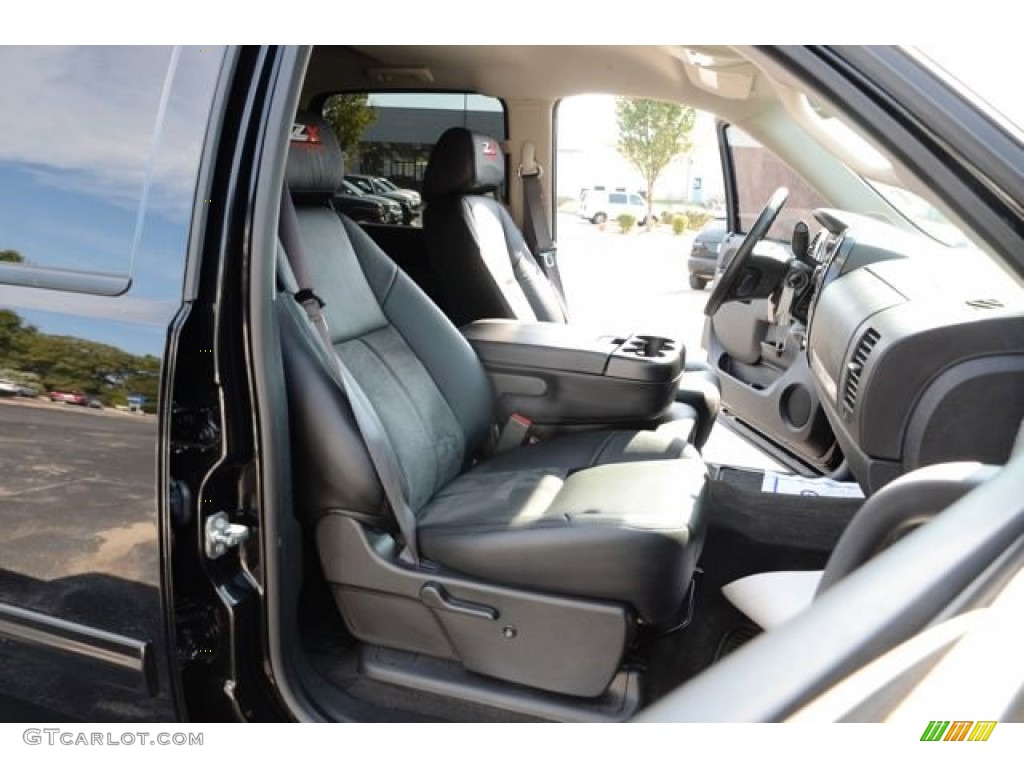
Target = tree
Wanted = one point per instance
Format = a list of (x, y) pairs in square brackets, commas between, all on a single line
[(48, 362), (349, 115), (11, 256), (12, 335), (651, 133)]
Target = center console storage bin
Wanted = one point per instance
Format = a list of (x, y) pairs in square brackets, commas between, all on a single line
[(563, 374)]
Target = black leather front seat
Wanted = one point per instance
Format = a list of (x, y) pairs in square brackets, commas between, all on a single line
[(484, 265), (614, 517)]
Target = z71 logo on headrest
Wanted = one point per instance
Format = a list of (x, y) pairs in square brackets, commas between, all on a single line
[(489, 149), (307, 134)]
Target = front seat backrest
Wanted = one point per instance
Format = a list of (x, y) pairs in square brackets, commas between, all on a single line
[(423, 379), (478, 252)]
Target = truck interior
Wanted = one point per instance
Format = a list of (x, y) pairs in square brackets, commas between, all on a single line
[(428, 554)]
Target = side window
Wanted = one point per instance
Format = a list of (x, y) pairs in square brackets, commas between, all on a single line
[(75, 159), (634, 277), (99, 159), (387, 139), (758, 173)]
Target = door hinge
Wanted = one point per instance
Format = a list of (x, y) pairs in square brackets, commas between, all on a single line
[(222, 535)]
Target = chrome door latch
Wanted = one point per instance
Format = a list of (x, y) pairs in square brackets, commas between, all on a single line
[(222, 535)]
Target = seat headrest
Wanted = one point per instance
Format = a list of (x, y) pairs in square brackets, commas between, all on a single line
[(463, 162), (316, 166)]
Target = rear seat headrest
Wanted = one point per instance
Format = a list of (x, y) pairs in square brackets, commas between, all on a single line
[(463, 162), (316, 166)]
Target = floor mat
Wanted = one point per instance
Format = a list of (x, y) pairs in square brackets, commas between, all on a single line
[(735, 638)]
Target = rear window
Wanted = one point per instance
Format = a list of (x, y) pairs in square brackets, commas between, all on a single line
[(391, 135)]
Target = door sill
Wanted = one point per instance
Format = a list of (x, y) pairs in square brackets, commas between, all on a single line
[(447, 678)]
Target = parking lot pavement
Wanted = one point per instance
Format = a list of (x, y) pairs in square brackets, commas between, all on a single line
[(76, 490), (638, 282), (78, 541), (631, 282)]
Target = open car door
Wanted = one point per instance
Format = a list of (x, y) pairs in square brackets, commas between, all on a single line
[(755, 339)]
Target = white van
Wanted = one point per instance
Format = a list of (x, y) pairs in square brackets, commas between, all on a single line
[(599, 205)]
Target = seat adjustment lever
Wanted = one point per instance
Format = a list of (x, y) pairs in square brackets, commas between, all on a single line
[(435, 596)]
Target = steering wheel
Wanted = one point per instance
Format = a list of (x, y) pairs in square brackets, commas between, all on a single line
[(725, 284)]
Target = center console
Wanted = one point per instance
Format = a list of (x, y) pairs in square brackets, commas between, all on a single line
[(562, 374)]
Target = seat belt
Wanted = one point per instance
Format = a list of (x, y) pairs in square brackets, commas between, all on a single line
[(535, 225), (378, 445)]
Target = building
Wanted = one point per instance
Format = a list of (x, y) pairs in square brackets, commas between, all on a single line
[(398, 143)]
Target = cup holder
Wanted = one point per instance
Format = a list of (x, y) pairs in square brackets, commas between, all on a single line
[(649, 346)]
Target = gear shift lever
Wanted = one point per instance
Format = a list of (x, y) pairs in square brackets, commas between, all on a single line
[(800, 242)]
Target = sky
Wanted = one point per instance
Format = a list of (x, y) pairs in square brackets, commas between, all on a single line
[(118, 133)]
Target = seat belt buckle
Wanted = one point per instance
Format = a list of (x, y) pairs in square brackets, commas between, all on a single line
[(514, 433)]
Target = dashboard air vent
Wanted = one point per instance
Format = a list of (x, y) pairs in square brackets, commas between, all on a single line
[(855, 367)]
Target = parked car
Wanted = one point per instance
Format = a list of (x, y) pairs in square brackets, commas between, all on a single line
[(343, 510), (703, 261), (9, 389), (409, 199), (382, 182), (76, 397), (361, 206), (599, 205)]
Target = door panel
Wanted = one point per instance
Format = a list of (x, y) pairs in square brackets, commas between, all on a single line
[(766, 383), (100, 180)]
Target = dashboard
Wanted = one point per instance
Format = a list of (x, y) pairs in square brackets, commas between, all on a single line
[(916, 350)]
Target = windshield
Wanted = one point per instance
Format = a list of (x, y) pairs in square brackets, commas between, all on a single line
[(921, 213), (362, 184), (879, 174)]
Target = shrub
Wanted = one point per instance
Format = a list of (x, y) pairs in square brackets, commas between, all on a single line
[(679, 223), (667, 218), (626, 222), (699, 218), (568, 204)]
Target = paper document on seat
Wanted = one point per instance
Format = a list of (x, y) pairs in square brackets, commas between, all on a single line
[(794, 485)]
